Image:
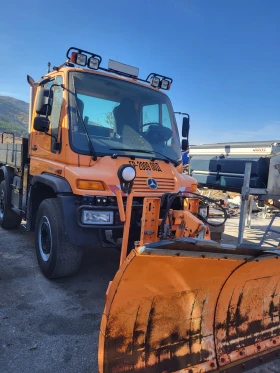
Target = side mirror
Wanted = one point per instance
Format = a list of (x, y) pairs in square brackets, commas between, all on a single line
[(44, 102), (41, 124), (186, 127), (185, 144)]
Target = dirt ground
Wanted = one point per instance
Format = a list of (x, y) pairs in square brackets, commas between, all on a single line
[(52, 326), (49, 326)]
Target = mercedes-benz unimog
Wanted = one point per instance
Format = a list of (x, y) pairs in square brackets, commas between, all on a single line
[(102, 165)]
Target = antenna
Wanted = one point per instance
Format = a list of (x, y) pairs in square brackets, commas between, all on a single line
[(49, 67)]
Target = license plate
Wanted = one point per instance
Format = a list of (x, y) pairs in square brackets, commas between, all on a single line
[(146, 166)]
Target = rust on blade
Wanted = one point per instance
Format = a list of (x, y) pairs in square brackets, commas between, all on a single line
[(247, 318), (190, 313), (256, 360), (161, 315)]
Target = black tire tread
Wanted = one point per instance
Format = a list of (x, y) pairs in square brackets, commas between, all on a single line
[(10, 219), (67, 259)]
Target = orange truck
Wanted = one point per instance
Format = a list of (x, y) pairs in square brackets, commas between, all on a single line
[(102, 165)]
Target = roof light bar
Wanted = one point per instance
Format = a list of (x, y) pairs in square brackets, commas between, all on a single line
[(93, 61), (159, 81), (84, 58)]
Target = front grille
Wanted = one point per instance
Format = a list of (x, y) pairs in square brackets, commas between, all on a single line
[(164, 185)]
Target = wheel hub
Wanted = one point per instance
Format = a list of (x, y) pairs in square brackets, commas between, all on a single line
[(45, 238)]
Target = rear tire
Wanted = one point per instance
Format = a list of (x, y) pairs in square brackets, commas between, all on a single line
[(56, 256), (8, 218)]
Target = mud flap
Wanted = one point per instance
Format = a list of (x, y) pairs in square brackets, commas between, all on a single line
[(173, 308)]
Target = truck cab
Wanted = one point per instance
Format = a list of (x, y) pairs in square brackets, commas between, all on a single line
[(95, 135)]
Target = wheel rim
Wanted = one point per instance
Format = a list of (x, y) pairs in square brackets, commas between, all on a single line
[(2, 203), (45, 238)]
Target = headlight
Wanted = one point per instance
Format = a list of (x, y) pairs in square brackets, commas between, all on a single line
[(93, 63), (81, 59), (155, 82), (126, 173), (97, 217), (164, 84)]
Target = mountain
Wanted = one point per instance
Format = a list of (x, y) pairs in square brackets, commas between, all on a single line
[(13, 115)]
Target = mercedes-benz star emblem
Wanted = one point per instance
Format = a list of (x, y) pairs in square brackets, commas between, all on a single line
[(152, 183)]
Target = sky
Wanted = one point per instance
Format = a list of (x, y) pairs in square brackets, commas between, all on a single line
[(223, 55)]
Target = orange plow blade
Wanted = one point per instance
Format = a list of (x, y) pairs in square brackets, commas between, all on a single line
[(190, 306)]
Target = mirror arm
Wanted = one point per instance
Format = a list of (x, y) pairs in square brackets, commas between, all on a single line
[(48, 134), (180, 113), (56, 146)]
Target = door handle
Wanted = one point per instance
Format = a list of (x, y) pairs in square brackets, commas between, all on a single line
[(34, 147)]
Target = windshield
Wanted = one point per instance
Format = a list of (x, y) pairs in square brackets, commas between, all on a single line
[(115, 115)]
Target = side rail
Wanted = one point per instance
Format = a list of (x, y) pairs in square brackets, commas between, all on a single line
[(11, 154), (7, 133)]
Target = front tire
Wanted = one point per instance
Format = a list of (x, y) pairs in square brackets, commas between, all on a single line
[(8, 218), (56, 256)]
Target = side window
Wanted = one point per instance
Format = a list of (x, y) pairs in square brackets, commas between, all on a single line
[(56, 107), (150, 114)]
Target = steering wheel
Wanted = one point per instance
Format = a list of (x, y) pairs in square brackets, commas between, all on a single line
[(156, 132), (149, 124)]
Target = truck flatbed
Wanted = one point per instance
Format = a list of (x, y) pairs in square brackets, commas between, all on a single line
[(12, 154)]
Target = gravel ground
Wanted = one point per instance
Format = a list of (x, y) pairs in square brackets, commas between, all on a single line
[(52, 326), (49, 326)]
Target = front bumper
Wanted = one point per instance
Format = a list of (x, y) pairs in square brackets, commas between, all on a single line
[(88, 234)]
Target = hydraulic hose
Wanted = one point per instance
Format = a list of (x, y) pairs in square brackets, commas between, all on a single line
[(170, 198), (203, 198)]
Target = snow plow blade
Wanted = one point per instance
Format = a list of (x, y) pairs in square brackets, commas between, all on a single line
[(193, 306)]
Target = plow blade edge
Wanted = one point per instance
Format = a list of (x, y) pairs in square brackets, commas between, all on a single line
[(174, 308)]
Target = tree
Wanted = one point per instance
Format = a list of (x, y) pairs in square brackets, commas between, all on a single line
[(110, 119)]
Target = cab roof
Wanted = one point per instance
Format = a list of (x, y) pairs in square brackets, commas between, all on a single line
[(115, 70), (66, 70)]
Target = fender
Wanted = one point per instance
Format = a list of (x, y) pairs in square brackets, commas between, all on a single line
[(57, 183)]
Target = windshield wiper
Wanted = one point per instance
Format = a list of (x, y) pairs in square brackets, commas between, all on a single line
[(148, 152), (91, 147)]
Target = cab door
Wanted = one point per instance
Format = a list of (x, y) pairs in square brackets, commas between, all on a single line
[(42, 145)]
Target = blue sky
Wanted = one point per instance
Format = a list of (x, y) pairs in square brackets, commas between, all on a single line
[(223, 55)]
